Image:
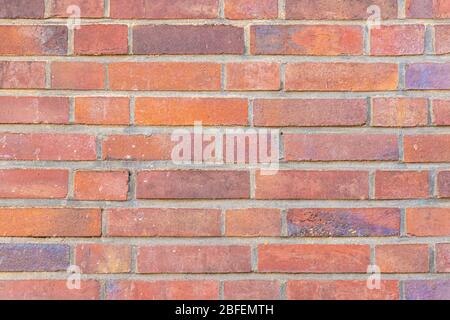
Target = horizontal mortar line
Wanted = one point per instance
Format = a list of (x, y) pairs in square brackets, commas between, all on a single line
[(219, 276), (168, 165), (226, 241), (227, 204)]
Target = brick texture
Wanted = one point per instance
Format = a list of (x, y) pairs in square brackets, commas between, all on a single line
[(350, 97)]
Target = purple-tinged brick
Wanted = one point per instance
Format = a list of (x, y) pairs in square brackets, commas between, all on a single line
[(428, 76), (13, 9), (427, 290), (33, 257), (377, 222)]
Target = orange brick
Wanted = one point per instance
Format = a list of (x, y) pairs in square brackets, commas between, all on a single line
[(68, 75), (251, 9), (427, 148), (428, 222), (443, 257), (441, 112), (101, 39), (101, 258), (101, 185), (138, 147), (401, 184), (251, 290), (102, 110), (397, 40), (253, 76), (403, 258), (399, 112), (253, 223)]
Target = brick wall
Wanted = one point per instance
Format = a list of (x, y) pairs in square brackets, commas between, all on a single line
[(87, 178)]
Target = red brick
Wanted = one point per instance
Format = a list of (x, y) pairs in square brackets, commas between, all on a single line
[(341, 290), (32, 9), (194, 259), (163, 222), (22, 75), (253, 223), (405, 258), (101, 39), (442, 39), (443, 257), (101, 185), (138, 147), (340, 76), (162, 290), (103, 258), (399, 112), (370, 222), (251, 9), (33, 183), (427, 148), (253, 76), (88, 8), (165, 9), (187, 39), (50, 222), (193, 184), (401, 184), (428, 222), (314, 185), (48, 290), (309, 112), (162, 111), (339, 10), (165, 76), (441, 112), (33, 40), (34, 110), (251, 290), (443, 184), (47, 146), (324, 40), (313, 258), (102, 110), (67, 75), (397, 40), (439, 9), (340, 147)]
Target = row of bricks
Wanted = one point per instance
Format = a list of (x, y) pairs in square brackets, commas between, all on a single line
[(250, 222), (239, 76), (322, 40), (232, 289), (215, 184), (233, 9), (171, 259), (175, 111), (424, 148)]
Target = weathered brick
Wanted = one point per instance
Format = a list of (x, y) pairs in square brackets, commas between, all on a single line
[(401, 184), (33, 257), (309, 112), (102, 110), (441, 112), (67, 75), (376, 222), (22, 75), (251, 9), (33, 183), (439, 9), (162, 290), (163, 222), (165, 9), (194, 259), (251, 290), (253, 76), (101, 39), (404, 258), (193, 184), (50, 222), (88, 8), (428, 222), (341, 76), (165, 76), (313, 258), (138, 147), (340, 147), (341, 290), (427, 289), (427, 148), (292, 184), (182, 39), (47, 146), (101, 185), (34, 110), (103, 258), (323, 40), (253, 223), (428, 76), (162, 111), (443, 184), (33, 40), (443, 257), (442, 39), (32, 9), (397, 40), (399, 112)]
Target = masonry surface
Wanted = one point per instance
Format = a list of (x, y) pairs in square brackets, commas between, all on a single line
[(86, 177)]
